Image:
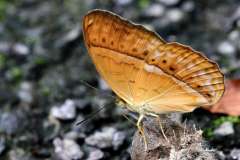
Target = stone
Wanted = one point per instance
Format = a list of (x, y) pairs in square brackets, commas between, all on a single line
[(235, 154), (95, 154), (224, 129), (118, 139), (175, 15), (18, 154), (67, 149), (25, 92), (220, 155), (188, 6), (20, 49), (74, 135), (154, 10), (123, 2), (101, 139), (66, 111), (226, 48), (10, 123)]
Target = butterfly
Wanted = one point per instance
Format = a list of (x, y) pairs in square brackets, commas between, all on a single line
[(149, 74)]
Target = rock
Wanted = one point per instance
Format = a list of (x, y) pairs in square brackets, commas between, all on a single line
[(123, 2), (154, 10), (25, 92), (74, 135), (66, 111), (20, 49), (67, 149), (11, 122), (95, 154), (224, 129), (182, 144), (234, 38), (235, 154), (102, 139), (220, 155), (18, 154), (188, 6), (118, 139), (2, 144), (169, 2), (226, 48), (175, 15)]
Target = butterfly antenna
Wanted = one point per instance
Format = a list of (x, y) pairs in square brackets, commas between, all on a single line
[(94, 88), (90, 116)]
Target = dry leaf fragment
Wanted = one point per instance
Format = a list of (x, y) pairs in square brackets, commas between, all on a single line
[(230, 102)]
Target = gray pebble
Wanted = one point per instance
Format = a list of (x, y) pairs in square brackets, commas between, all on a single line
[(220, 155), (235, 154), (25, 92), (20, 49), (226, 48), (175, 15), (18, 154), (224, 129), (95, 154), (10, 123), (101, 139), (123, 2), (154, 10), (188, 6), (67, 149), (118, 139), (66, 111)]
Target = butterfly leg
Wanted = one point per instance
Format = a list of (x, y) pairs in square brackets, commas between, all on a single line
[(141, 130), (160, 124)]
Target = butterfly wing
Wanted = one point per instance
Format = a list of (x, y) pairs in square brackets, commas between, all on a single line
[(190, 67), (110, 39), (146, 71)]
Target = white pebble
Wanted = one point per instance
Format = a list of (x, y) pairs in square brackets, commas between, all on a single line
[(66, 111), (226, 48)]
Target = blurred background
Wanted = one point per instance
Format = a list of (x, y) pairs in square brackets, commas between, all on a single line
[(43, 63)]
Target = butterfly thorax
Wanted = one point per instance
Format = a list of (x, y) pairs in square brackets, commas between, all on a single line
[(141, 109)]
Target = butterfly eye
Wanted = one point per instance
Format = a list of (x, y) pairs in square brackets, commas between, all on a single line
[(164, 61)]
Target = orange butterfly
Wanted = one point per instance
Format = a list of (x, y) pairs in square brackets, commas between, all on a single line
[(149, 74)]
